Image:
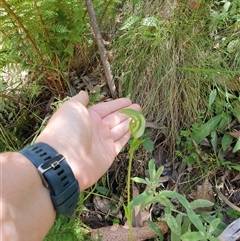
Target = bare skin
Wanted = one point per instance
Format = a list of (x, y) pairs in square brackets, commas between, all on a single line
[(89, 138)]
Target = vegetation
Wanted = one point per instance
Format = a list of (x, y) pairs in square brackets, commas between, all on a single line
[(179, 60)]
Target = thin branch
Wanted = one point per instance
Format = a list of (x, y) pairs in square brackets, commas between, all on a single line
[(102, 50)]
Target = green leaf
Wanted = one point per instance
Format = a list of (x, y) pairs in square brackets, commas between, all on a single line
[(226, 6), (151, 169), (201, 203), (158, 174), (148, 145), (159, 198), (140, 199), (211, 238), (165, 201), (226, 141), (171, 221), (191, 214), (102, 190), (135, 144), (150, 22), (129, 22), (233, 45), (207, 128), (212, 97), (155, 229), (141, 180), (186, 224), (214, 140), (226, 120), (128, 215), (192, 236), (116, 221), (213, 225), (148, 36), (209, 217), (237, 146), (176, 236), (236, 167), (135, 2)]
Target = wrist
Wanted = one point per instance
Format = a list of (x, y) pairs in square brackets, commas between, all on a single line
[(56, 175), (26, 201), (74, 158)]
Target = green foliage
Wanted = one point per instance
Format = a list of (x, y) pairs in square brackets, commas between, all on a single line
[(148, 28), (233, 214), (67, 229), (214, 131), (187, 225), (49, 37), (224, 14), (42, 33), (178, 54), (19, 113)]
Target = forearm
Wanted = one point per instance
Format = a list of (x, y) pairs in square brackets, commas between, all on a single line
[(26, 209)]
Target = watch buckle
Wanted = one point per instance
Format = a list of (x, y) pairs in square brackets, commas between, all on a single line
[(52, 163)]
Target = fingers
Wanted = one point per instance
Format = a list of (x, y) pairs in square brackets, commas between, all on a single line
[(81, 97), (119, 144), (106, 108), (116, 118), (120, 130)]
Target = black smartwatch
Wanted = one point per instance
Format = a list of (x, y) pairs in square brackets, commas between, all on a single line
[(56, 175)]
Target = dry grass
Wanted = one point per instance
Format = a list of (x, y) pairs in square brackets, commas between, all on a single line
[(172, 74)]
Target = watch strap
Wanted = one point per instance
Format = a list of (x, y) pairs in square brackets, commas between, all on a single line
[(57, 176)]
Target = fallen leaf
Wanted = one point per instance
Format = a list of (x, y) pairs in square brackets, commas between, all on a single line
[(235, 134), (204, 191), (236, 178)]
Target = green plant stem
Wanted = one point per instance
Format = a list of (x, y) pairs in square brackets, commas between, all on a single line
[(131, 152)]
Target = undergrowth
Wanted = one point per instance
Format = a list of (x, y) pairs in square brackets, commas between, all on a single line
[(179, 62), (69, 228), (50, 37), (41, 43), (169, 55)]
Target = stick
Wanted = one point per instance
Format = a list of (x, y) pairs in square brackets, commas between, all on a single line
[(101, 47)]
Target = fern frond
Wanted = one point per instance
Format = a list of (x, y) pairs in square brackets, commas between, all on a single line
[(21, 25), (66, 229)]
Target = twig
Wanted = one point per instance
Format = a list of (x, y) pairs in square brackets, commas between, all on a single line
[(231, 205), (102, 50), (199, 152)]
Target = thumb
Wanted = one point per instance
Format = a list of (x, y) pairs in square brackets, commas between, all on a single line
[(81, 97)]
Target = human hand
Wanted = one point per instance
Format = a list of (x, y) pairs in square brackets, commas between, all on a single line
[(89, 138)]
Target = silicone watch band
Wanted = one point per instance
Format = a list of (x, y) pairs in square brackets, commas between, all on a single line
[(56, 175)]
